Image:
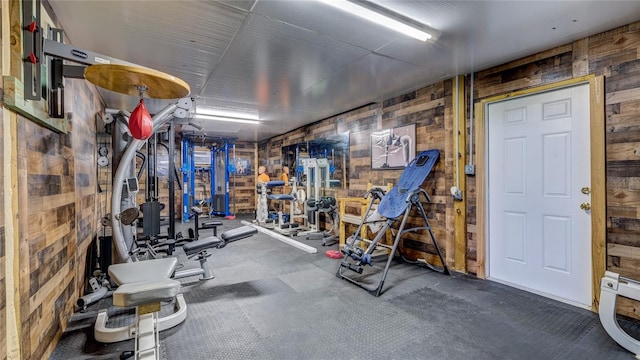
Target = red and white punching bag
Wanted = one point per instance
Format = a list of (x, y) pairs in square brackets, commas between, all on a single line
[(140, 122)]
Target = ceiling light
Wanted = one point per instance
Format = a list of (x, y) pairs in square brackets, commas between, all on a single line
[(381, 16), (225, 118), (226, 113)]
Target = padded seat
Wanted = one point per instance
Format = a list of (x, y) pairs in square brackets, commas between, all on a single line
[(211, 224), (195, 247), (238, 233), (274, 183), (146, 292), (281, 197), (143, 270)]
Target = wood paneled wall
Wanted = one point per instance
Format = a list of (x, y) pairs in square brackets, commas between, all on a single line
[(3, 288), (425, 107), (59, 215), (613, 54), (245, 186), (56, 215), (60, 207)]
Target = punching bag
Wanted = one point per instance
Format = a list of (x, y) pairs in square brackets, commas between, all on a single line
[(140, 122)]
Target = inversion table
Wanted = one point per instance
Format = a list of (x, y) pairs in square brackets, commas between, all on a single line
[(394, 205)]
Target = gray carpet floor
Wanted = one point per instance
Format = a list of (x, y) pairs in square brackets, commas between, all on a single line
[(270, 300)]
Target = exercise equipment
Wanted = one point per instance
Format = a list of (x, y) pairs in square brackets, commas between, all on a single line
[(232, 168), (146, 281), (135, 80), (205, 225), (394, 206), (140, 123), (196, 247), (264, 190), (221, 169), (612, 286), (284, 239), (178, 108), (149, 281), (146, 297), (284, 222), (128, 79), (194, 163)]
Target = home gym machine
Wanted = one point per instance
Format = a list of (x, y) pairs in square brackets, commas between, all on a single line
[(195, 163), (219, 168)]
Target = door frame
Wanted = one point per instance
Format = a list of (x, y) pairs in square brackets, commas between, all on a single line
[(598, 177)]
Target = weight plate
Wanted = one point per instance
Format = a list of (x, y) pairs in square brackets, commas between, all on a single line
[(103, 161), (102, 151)]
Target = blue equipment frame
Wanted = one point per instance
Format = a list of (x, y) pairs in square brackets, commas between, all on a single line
[(188, 179), (220, 192)]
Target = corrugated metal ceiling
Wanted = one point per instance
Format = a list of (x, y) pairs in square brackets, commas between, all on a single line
[(296, 62)]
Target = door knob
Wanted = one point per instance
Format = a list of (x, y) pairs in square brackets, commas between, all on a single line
[(585, 206), (585, 190)]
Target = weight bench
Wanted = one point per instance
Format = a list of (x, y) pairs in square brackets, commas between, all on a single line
[(211, 225), (282, 197), (146, 297), (612, 286), (238, 233), (205, 225), (141, 284), (394, 206), (264, 191), (197, 247)]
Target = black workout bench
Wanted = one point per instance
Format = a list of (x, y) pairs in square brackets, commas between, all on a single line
[(195, 247), (205, 225)]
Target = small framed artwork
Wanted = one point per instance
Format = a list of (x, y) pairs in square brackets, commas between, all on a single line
[(393, 148), (243, 166)]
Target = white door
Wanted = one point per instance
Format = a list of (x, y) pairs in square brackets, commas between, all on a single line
[(539, 160)]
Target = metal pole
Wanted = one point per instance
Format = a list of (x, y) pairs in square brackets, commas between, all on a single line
[(122, 248), (172, 198), (235, 163)]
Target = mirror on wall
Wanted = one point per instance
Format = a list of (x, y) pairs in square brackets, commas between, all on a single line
[(333, 150)]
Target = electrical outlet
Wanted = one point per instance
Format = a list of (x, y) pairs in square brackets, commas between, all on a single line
[(470, 169), (456, 193)]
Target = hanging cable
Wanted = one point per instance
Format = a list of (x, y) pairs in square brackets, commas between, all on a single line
[(471, 106)]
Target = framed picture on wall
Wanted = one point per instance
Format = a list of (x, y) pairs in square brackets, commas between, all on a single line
[(243, 167), (393, 148)]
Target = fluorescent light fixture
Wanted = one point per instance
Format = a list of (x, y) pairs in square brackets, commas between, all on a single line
[(379, 15), (225, 113), (225, 118)]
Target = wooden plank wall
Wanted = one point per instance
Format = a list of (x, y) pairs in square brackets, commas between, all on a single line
[(3, 290), (245, 186), (613, 54), (57, 212), (424, 107), (58, 215)]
